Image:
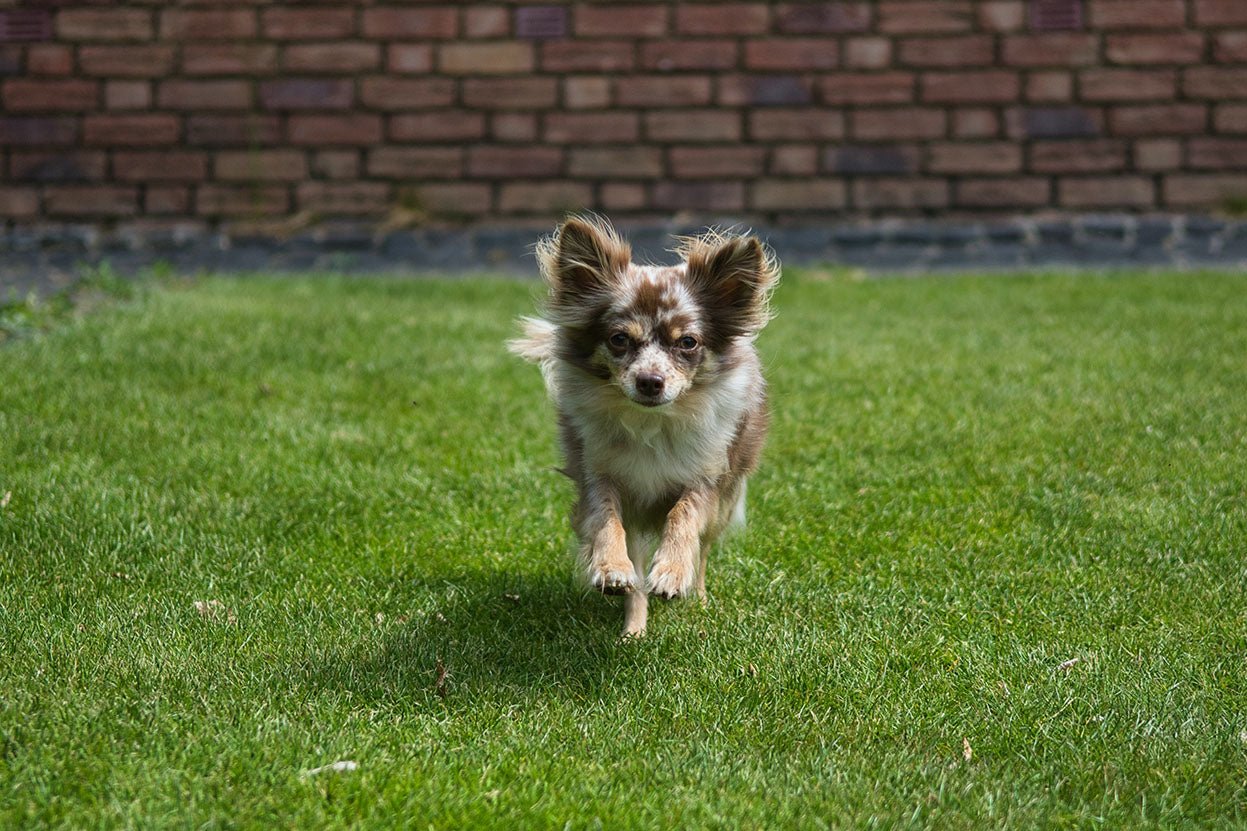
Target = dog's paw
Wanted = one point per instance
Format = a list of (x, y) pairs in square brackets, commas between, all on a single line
[(669, 581), (613, 580)]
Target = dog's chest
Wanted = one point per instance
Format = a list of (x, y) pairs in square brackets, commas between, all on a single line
[(651, 460)]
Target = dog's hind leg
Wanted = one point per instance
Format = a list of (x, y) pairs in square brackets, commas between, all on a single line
[(636, 604)]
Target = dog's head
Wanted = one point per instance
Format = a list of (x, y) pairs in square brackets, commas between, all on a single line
[(654, 332)]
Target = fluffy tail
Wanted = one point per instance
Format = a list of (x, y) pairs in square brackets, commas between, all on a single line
[(537, 343)]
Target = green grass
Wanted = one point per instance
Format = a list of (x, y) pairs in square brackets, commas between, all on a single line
[(970, 482)]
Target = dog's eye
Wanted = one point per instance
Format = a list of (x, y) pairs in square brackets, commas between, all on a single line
[(619, 340), (687, 342)]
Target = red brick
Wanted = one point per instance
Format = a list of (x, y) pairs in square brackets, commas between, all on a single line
[(663, 90), (1175, 48), (229, 59), (441, 125), (622, 196), (1158, 120), (1231, 118), (975, 122), (509, 162), (1203, 190), (166, 200), (91, 200), (868, 53), (1138, 14), (204, 95), (799, 54), (716, 162), (765, 90), (1006, 192), (1128, 84), (546, 198), (621, 20), (336, 164), (580, 56), (510, 93), (1051, 49), (716, 197), (242, 200), (589, 92), (329, 130), (26, 131), (160, 166), (127, 95), (793, 160), (975, 157), (987, 86), (591, 128), (1107, 192), (632, 162), (207, 24), (900, 123), (1158, 154), (260, 166), (1220, 13), (21, 95), (486, 21), (343, 198), (876, 194), (131, 130), (406, 93), (505, 58), (393, 23), (1079, 156), (49, 59), (798, 125), (513, 127), (342, 57), (126, 61), (1001, 15), (722, 19), (882, 88), (799, 195), (1217, 153), (1216, 83), (925, 16), (308, 24), (961, 50), (823, 18), (18, 203), (416, 163), (57, 166), (233, 130), (453, 200), (693, 125), (689, 54), (104, 24), (1230, 47), (409, 58), (307, 94), (1050, 86)]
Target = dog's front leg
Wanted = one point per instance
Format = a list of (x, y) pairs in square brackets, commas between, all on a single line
[(676, 562), (603, 545)]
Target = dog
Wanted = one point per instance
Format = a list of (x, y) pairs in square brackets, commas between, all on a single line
[(662, 407)]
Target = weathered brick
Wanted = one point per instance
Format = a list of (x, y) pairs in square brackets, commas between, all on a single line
[(823, 18), (486, 58), (868, 53), (91, 200), (102, 24), (440, 125), (621, 20), (307, 94), (486, 21), (242, 200), (233, 130), (204, 95), (336, 164), (229, 59), (1207, 153), (800, 54), (591, 128), (587, 92), (1158, 120), (900, 123), (1053, 122), (329, 130), (166, 200), (409, 58), (975, 157), (1001, 15), (1107, 192), (452, 200), (308, 24), (793, 160), (693, 125), (51, 59), (881, 88), (1158, 154), (986, 86), (799, 195), (24, 95), (384, 93), (925, 16), (37, 131), (1051, 86), (1216, 83), (1138, 14), (975, 122), (1078, 156), (1005, 192), (1230, 118), (1128, 84), (793, 124), (698, 196), (127, 95), (1174, 48), (146, 130), (207, 24), (260, 166), (663, 90), (689, 54), (510, 93), (1230, 47), (628, 162), (1202, 190), (416, 163), (544, 197), (57, 166), (722, 18), (507, 162), (343, 198), (716, 162), (132, 61), (513, 127), (18, 203), (871, 160), (622, 196), (345, 57), (580, 56), (959, 50), (887, 194), (1051, 49), (160, 166), (1220, 13), (765, 90), (400, 22)]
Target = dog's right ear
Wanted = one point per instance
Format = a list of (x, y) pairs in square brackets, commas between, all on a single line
[(583, 259)]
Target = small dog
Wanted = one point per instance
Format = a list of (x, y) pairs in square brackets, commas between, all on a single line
[(662, 407)]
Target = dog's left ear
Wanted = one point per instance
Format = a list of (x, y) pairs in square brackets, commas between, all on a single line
[(733, 279)]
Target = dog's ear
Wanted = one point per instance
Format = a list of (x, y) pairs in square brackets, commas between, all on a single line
[(583, 259), (733, 278)]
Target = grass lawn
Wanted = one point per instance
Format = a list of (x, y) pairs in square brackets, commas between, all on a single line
[(994, 575)]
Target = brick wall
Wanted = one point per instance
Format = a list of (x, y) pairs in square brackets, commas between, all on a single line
[(226, 112)]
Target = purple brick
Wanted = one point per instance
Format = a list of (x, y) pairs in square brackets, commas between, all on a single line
[(1059, 122), (37, 131), (540, 22), (307, 94), (872, 160)]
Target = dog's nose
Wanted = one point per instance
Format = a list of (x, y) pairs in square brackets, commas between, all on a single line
[(650, 384)]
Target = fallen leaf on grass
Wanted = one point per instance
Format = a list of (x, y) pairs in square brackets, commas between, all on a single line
[(4, 500), (336, 767), (215, 611), (966, 752), (439, 686), (1066, 666)]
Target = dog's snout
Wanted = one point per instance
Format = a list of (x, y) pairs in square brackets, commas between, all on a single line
[(650, 384)]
